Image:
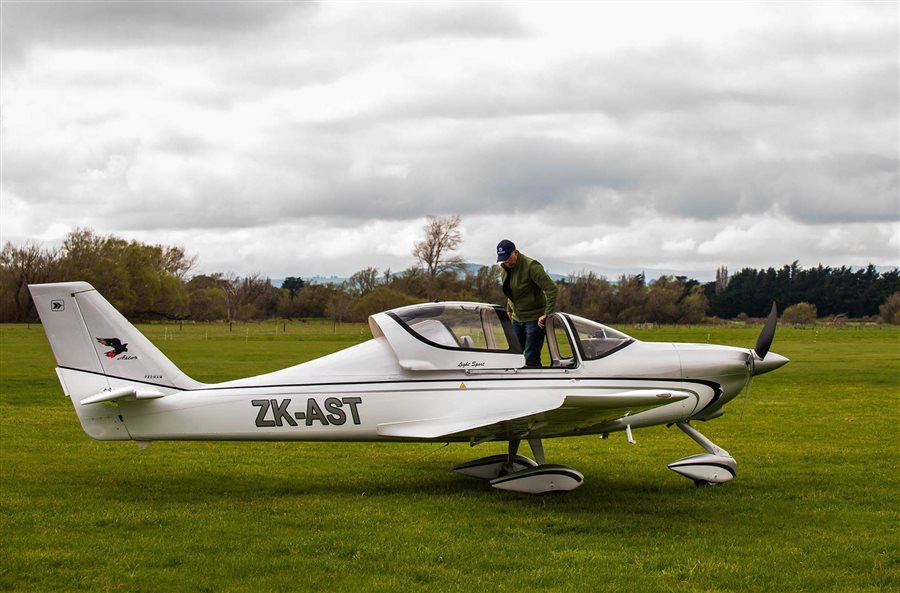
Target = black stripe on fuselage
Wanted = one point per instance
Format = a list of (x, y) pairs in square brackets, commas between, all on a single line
[(716, 387)]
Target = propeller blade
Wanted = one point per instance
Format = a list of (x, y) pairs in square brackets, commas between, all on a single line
[(764, 341)]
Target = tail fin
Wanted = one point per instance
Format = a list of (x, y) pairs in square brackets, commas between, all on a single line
[(97, 350)]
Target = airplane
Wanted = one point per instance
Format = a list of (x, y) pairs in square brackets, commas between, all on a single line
[(433, 372)]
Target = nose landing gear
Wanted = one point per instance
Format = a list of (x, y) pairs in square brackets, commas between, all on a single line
[(716, 466)]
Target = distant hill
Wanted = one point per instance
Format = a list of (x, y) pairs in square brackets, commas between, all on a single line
[(554, 267)]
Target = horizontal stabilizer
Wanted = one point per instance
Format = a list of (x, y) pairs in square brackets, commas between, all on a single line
[(108, 395)]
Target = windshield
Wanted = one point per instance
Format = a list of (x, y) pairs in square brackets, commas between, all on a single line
[(459, 326), (596, 340)]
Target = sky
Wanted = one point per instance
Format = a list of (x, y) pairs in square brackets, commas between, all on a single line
[(301, 139)]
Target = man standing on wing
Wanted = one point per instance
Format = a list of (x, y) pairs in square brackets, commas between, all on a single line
[(531, 296)]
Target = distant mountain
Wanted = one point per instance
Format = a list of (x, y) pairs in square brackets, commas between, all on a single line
[(473, 269), (277, 282)]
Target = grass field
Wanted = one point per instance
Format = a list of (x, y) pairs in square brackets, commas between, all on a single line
[(814, 506)]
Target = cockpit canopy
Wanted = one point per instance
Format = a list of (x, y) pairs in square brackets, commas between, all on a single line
[(473, 336), (464, 326), (449, 336)]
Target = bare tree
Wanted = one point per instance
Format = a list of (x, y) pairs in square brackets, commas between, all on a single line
[(362, 282), (254, 296), (442, 236), (228, 284)]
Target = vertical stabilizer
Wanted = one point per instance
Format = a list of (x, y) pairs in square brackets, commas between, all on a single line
[(96, 350)]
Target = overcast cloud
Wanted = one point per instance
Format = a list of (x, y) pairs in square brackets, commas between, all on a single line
[(304, 138)]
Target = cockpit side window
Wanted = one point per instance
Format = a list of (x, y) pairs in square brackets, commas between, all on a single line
[(596, 340), (460, 327)]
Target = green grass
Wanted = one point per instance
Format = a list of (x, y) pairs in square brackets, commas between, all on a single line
[(814, 506)]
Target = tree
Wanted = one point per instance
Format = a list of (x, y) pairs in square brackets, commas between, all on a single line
[(588, 295), (254, 297), (661, 304), (889, 311), (485, 283), (293, 285), (410, 281), (311, 301), (340, 307), (721, 279), (228, 284), (19, 267), (631, 297), (380, 299), (138, 279), (245, 298), (694, 306), (207, 304), (362, 282), (442, 236)]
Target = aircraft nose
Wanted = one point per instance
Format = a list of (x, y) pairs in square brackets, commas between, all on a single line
[(768, 364)]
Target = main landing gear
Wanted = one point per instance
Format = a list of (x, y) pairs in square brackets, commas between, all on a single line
[(520, 474), (517, 473), (716, 466)]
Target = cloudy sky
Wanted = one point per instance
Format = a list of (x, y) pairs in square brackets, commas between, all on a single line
[(307, 138)]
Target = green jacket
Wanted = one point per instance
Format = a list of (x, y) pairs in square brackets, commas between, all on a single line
[(529, 290)]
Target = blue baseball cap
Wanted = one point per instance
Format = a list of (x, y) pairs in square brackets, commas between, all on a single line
[(505, 249)]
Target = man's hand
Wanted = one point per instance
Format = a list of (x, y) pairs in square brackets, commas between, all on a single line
[(542, 320)]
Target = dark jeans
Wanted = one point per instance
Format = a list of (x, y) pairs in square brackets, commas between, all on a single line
[(531, 337)]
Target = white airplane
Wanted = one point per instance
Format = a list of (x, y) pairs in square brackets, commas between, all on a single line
[(435, 372)]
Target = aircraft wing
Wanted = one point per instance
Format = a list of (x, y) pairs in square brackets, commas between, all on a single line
[(573, 413)]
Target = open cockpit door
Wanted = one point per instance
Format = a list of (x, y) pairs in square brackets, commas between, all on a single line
[(560, 343), (449, 336)]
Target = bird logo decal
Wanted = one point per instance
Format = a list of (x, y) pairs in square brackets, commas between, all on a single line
[(117, 346)]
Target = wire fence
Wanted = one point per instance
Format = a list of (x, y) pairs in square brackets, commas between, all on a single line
[(281, 329)]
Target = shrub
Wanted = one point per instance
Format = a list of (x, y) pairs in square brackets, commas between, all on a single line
[(800, 314)]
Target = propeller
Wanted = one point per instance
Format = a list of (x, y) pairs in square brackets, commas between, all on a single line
[(763, 343)]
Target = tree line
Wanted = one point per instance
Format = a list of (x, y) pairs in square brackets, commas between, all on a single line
[(833, 291), (153, 282)]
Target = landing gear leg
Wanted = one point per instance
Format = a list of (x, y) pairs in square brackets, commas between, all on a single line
[(509, 466), (708, 445), (537, 447), (494, 466)]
